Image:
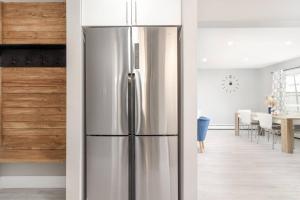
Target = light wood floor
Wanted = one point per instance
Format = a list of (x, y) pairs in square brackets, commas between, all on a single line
[(233, 168), (32, 194)]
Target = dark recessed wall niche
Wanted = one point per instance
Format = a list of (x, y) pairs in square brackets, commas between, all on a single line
[(32, 55)]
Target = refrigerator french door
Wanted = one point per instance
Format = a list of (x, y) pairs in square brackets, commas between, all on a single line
[(131, 113)]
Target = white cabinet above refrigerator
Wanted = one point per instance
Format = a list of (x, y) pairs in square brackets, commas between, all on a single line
[(106, 12), (131, 12), (156, 12)]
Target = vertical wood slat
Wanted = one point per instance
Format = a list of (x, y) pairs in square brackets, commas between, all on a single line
[(1, 20)]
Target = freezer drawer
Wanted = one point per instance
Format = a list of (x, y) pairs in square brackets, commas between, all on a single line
[(107, 168), (107, 64), (156, 165), (156, 69)]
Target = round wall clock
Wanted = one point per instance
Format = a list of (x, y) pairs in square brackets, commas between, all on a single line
[(230, 84)]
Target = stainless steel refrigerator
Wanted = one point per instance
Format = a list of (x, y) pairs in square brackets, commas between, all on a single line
[(132, 113)]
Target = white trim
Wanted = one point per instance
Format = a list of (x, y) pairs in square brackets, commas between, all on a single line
[(75, 103), (32, 182), (188, 151)]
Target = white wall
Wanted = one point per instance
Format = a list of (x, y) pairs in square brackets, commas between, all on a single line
[(189, 101), (75, 95), (220, 106), (266, 74), (249, 12), (255, 85), (32, 170), (32, 175)]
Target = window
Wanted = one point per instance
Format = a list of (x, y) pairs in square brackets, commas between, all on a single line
[(292, 91)]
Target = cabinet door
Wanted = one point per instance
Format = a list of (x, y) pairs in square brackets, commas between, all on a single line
[(156, 12), (106, 12)]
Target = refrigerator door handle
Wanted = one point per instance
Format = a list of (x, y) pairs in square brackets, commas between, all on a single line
[(131, 102), (138, 88), (138, 103)]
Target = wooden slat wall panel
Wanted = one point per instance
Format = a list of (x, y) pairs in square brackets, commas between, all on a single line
[(34, 23), (34, 142), (34, 10), (33, 35), (33, 82), (35, 89), (33, 125), (34, 41), (34, 109), (34, 156), (39, 27), (17, 131), (33, 117), (33, 100), (35, 77), (29, 21), (15, 74), (1, 21), (33, 114)]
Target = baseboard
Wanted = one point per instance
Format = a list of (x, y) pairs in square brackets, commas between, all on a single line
[(221, 127), (32, 182)]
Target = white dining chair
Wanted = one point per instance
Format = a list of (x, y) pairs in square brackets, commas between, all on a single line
[(266, 124), (246, 120)]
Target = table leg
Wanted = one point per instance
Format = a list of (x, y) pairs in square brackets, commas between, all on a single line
[(237, 124), (287, 136)]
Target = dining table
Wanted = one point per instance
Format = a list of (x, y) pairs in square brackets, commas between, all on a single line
[(287, 128)]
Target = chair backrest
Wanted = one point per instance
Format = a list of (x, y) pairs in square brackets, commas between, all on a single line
[(245, 116), (265, 120)]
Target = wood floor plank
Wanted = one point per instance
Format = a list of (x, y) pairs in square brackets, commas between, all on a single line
[(233, 168)]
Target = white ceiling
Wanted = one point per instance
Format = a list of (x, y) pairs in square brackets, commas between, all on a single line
[(246, 47), (262, 32), (248, 11)]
